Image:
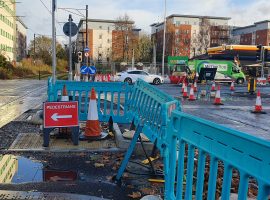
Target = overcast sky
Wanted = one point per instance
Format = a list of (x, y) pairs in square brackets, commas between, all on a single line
[(143, 12)]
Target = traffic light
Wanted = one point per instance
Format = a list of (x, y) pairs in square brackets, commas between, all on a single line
[(265, 54), (80, 58), (258, 52)]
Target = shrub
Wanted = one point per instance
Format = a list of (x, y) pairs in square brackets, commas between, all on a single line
[(5, 73)]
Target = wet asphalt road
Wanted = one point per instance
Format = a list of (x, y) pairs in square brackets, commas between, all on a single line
[(18, 96), (236, 111)]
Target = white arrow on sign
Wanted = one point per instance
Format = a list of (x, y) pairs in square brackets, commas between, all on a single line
[(92, 71), (55, 117)]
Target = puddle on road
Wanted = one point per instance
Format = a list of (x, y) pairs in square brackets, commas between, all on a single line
[(17, 169)]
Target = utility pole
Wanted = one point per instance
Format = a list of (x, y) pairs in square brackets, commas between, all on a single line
[(86, 32), (164, 38), (34, 56), (70, 49), (53, 42)]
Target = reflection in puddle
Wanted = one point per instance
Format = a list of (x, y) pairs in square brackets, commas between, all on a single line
[(17, 169)]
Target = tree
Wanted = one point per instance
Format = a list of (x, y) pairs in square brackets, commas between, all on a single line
[(125, 39), (41, 49), (202, 40), (144, 48)]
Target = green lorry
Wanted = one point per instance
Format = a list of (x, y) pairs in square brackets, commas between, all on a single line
[(227, 71)]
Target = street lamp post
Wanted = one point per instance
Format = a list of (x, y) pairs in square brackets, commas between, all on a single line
[(53, 42), (164, 38)]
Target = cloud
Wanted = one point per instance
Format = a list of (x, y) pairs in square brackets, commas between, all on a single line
[(143, 12)]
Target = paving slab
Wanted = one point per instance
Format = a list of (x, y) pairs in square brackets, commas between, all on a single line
[(21, 195), (34, 141)]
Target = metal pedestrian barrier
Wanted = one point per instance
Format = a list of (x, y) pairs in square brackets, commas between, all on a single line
[(200, 157)]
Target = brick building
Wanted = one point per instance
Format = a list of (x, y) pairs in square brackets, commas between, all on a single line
[(258, 33), (108, 40), (185, 32)]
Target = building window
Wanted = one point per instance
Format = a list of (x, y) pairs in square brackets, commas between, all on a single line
[(100, 27), (108, 40), (100, 46), (100, 36)]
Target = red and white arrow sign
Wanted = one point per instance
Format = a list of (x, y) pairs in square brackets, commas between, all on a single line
[(61, 114), (55, 116)]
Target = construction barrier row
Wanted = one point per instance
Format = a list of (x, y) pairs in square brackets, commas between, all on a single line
[(186, 143), (97, 78)]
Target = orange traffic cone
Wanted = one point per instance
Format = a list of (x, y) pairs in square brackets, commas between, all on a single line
[(185, 95), (213, 88), (217, 97), (64, 96), (195, 86), (92, 129), (232, 86), (183, 86), (258, 105), (191, 94)]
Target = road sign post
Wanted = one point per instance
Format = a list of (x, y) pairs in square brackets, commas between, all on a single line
[(60, 114)]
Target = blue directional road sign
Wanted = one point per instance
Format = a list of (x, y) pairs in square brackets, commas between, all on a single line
[(84, 70), (92, 70), (86, 49)]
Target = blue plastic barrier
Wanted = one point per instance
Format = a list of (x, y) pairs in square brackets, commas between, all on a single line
[(199, 140), (112, 97)]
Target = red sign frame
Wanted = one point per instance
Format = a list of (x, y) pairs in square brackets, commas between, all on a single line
[(60, 114)]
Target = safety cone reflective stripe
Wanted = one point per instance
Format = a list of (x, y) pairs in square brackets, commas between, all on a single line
[(191, 94), (217, 97), (64, 96), (185, 95), (183, 86), (195, 86), (92, 128), (232, 86), (213, 88), (258, 105)]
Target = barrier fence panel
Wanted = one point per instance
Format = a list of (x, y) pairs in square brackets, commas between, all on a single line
[(112, 97), (204, 160), (151, 107)]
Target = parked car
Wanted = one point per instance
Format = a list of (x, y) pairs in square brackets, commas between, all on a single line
[(132, 75)]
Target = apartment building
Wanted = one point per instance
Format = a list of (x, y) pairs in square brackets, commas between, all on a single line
[(106, 40), (258, 33), (21, 40), (190, 35), (8, 29)]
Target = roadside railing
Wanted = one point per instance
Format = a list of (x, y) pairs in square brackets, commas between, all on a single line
[(202, 160)]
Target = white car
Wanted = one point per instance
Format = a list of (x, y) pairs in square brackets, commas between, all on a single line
[(132, 75)]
